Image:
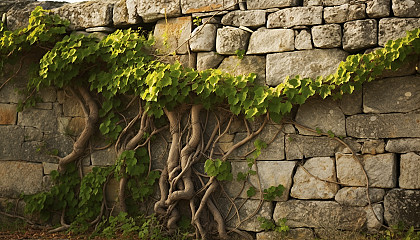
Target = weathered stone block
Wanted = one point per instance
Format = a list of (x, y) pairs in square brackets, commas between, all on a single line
[(324, 114), (230, 39), (38, 118), (251, 18), (303, 40), (275, 40), (403, 145), (372, 223), (296, 16), (87, 14), (20, 177), (266, 4), (12, 138), (351, 104), (320, 214), (402, 206), (334, 2), (33, 134), (356, 196), (381, 170), (49, 167), (307, 63), (378, 8), (207, 60), (105, 157), (327, 36), (406, 8), (344, 13), (394, 28), (246, 65), (193, 6), (8, 114), (125, 12), (204, 38), (393, 125), (373, 146), (171, 35), (360, 34), (150, 11), (307, 187), (391, 95), (409, 171), (294, 233)]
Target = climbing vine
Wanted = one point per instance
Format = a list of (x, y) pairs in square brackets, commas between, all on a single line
[(165, 97)]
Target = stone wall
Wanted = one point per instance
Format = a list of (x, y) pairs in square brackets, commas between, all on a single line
[(381, 122)]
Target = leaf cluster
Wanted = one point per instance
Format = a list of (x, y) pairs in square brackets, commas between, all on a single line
[(222, 170)]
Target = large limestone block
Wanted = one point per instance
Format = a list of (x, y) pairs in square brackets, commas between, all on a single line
[(172, 35), (11, 141), (303, 40), (378, 8), (151, 11), (357, 196), (251, 18), (320, 214), (392, 95), (8, 114), (360, 34), (266, 4), (344, 13), (324, 114), (307, 63), (381, 170), (230, 39), (248, 64), (402, 206), (392, 125), (295, 16), (207, 60), (20, 177), (204, 38), (394, 28), (294, 233), (274, 40), (326, 36), (409, 171), (406, 8), (403, 145), (87, 14), (307, 187), (194, 6)]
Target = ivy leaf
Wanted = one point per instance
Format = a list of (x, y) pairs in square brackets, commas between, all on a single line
[(251, 192)]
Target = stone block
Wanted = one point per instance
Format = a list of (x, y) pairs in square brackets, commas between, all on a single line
[(49, 167), (326, 36), (246, 210), (104, 157), (20, 178), (356, 196), (391, 95), (172, 35), (409, 171), (33, 134), (295, 16), (125, 12), (360, 34), (8, 114), (307, 63), (9, 93), (151, 11), (274, 40), (402, 206), (381, 170), (248, 64), (86, 14), (307, 3), (303, 40), (344, 13), (11, 141), (204, 38), (406, 8), (320, 214), (394, 28), (187, 60), (324, 114), (45, 120), (193, 6), (334, 2), (294, 233), (307, 187), (266, 4), (351, 104), (373, 146), (207, 60), (403, 145), (251, 18), (48, 94), (372, 217), (392, 125), (378, 8), (230, 39), (71, 107)]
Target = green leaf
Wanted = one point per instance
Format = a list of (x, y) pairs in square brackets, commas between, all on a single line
[(251, 192)]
